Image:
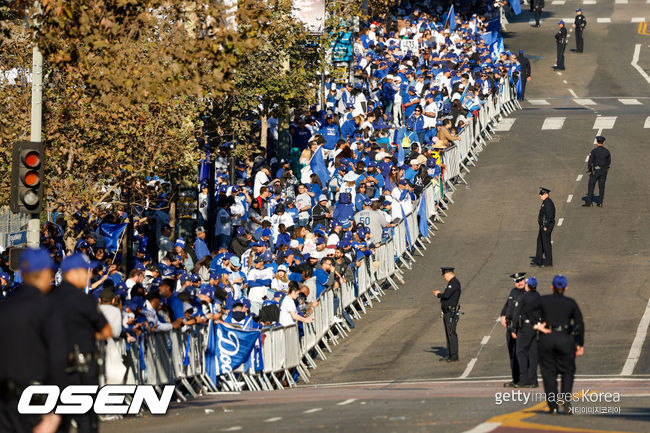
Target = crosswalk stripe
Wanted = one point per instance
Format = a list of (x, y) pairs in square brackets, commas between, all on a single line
[(604, 122), (584, 101), (647, 122), (558, 2), (505, 125), (630, 101), (538, 102), (637, 20), (589, 2), (553, 122), (603, 20), (621, 2)]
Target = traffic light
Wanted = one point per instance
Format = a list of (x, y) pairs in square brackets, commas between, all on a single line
[(27, 177)]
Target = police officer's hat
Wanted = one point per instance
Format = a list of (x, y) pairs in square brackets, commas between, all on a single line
[(446, 269), (543, 190), (518, 276), (600, 139)]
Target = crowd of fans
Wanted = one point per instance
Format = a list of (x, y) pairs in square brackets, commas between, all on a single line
[(286, 230)]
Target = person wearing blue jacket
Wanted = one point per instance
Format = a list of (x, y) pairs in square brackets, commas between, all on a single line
[(330, 132)]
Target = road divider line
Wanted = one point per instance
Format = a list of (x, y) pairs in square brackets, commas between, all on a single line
[(647, 122), (569, 198), (573, 93), (314, 410), (485, 427), (485, 340), (346, 402), (274, 419), (637, 20), (233, 428), (579, 178), (603, 20), (468, 369), (560, 221), (635, 63), (637, 344)]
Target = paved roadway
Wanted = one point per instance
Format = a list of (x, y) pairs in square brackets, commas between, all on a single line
[(491, 232)]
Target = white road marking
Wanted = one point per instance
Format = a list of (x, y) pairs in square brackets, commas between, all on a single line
[(538, 102), (599, 132), (233, 428), (558, 2), (584, 101), (635, 61), (560, 221), (587, 158), (637, 344), (579, 178), (274, 419), (569, 198), (468, 370), (630, 101), (558, 72), (647, 122), (564, 81), (553, 123), (485, 427), (589, 2), (566, 20), (485, 340), (346, 402), (572, 93), (621, 2), (604, 122), (603, 20), (637, 20), (505, 124), (316, 409)]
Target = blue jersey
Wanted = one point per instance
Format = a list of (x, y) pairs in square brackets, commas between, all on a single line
[(331, 135)]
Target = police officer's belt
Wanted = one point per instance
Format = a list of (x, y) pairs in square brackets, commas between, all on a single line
[(527, 322), (560, 328), (600, 168), (450, 309), (10, 390)]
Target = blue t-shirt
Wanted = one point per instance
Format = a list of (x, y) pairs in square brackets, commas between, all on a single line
[(321, 281), (176, 307)]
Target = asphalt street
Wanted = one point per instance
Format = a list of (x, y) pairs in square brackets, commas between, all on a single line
[(490, 232)]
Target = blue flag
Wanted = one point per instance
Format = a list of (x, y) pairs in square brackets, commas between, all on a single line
[(462, 97), (210, 352), (518, 86), (422, 213), (318, 166), (490, 37), (452, 18), (112, 234), (493, 24), (516, 6), (400, 149), (231, 348)]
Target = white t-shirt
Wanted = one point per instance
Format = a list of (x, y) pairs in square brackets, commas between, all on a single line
[(113, 316), (288, 305), (261, 179)]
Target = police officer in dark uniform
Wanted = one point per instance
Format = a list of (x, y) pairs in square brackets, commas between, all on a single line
[(450, 311), (560, 40), (537, 6), (527, 314), (546, 221), (562, 334), (597, 166), (525, 72), (506, 320), (32, 343), (84, 325), (580, 23)]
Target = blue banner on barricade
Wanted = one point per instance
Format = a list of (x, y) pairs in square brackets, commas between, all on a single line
[(228, 348)]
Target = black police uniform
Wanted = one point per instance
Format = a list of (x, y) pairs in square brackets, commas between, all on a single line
[(82, 319), (561, 40), (32, 350), (599, 161), (536, 6), (526, 314), (450, 309), (546, 220), (507, 311), (580, 23), (557, 350), (525, 73)]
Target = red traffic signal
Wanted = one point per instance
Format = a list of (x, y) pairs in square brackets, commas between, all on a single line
[(26, 177)]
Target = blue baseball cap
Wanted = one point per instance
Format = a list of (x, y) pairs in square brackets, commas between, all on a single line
[(559, 282), (267, 232), (532, 282), (278, 294), (75, 261), (320, 241), (561, 22), (245, 302), (5, 276)]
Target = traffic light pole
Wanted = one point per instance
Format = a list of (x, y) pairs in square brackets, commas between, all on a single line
[(34, 224)]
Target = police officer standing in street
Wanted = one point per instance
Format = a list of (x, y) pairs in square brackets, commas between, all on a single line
[(527, 314), (597, 166), (506, 320), (32, 344), (537, 6), (525, 72), (561, 340), (580, 23), (84, 325), (560, 40), (450, 311), (546, 221)]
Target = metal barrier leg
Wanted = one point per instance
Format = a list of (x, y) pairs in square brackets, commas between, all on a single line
[(310, 360), (304, 375), (392, 283), (378, 288), (320, 352), (208, 381), (277, 381), (289, 379), (189, 388), (179, 394), (233, 382)]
